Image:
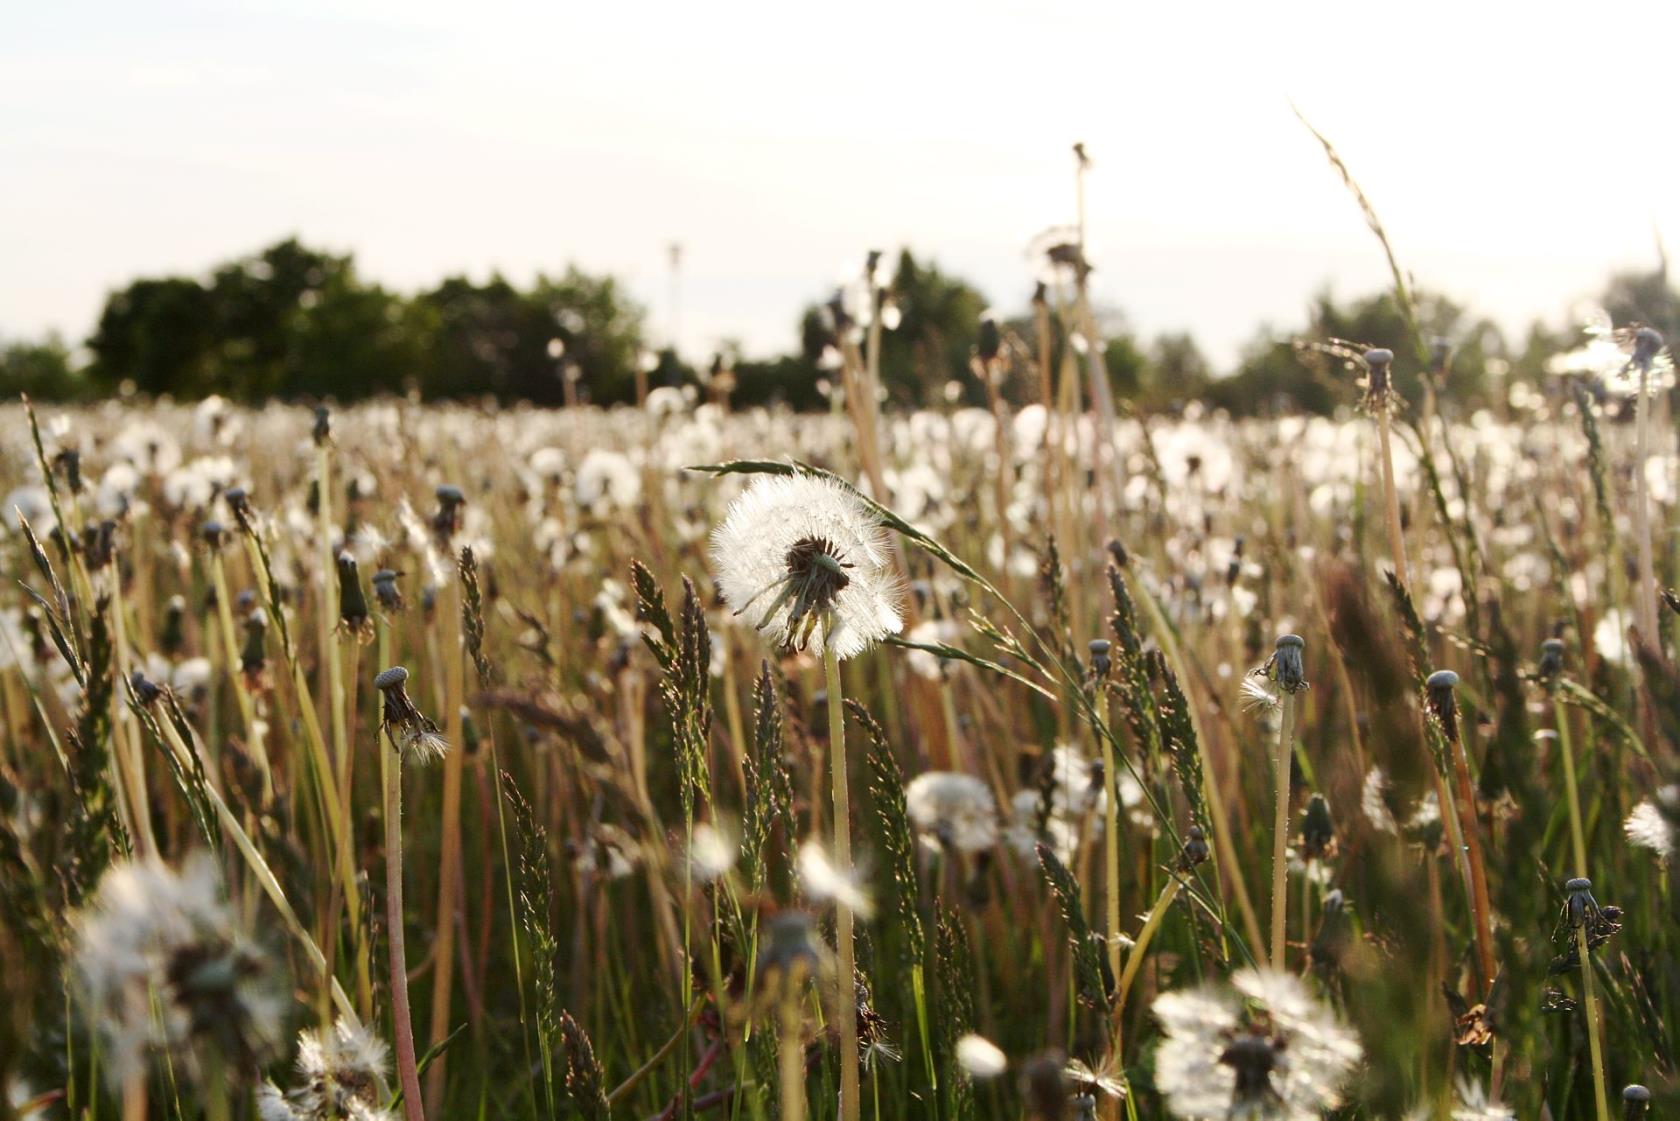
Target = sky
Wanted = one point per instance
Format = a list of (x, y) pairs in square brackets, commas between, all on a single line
[(1516, 153)]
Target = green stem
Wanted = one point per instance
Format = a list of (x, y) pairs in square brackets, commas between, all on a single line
[(1591, 998), (846, 1002), (1566, 751), (1280, 830)]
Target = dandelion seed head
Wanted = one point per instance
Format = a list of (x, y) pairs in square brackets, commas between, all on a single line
[(1264, 1044), (797, 555), (980, 1058), (1648, 828), (953, 810), (164, 967), (712, 853)]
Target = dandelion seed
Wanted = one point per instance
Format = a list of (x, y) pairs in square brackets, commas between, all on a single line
[(1256, 697), (809, 563)]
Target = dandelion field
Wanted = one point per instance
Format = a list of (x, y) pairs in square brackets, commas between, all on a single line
[(1057, 762)]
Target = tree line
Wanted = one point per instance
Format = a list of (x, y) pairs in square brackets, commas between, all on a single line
[(297, 323)]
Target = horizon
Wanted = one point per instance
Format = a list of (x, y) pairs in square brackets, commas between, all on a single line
[(427, 149)]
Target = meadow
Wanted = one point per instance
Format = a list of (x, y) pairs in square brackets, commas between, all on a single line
[(1058, 762)]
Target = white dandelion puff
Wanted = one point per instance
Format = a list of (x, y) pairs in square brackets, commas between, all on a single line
[(165, 969), (980, 1058), (1265, 1046), (712, 852), (821, 880), (807, 561), (952, 810), (1648, 828)]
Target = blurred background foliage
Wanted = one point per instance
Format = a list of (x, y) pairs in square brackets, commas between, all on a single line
[(294, 322)]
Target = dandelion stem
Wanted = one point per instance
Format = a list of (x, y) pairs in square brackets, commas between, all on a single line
[(1646, 602), (1590, 995), (1280, 827), (1479, 901), (1566, 751), (846, 1002), (1391, 498), (402, 1026), (791, 1058)]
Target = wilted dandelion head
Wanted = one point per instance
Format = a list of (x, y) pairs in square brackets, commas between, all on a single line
[(164, 968), (411, 733), (385, 590), (1551, 661), (1443, 702), (343, 1072), (1286, 668), (1379, 390), (809, 563), (352, 602), (1265, 1049), (953, 811)]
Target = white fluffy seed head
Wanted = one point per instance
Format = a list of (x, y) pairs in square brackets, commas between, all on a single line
[(1200, 1025), (980, 1057), (750, 555), (953, 809), (1647, 828)]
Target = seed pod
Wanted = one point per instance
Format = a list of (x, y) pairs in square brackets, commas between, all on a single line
[(1551, 662), (1195, 850), (1318, 832), (352, 604), (1100, 661), (1288, 663), (1647, 344), (1443, 702), (1377, 361), (145, 691), (385, 590), (252, 658), (447, 521), (174, 635)]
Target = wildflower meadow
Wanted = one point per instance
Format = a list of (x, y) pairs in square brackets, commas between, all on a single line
[(1033, 754)]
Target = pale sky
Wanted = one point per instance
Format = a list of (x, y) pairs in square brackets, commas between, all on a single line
[(1517, 152)]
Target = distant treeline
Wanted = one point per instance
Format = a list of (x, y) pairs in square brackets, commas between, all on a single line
[(293, 322)]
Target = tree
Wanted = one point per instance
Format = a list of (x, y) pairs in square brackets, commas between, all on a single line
[(1275, 373), (40, 369), (160, 336)]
